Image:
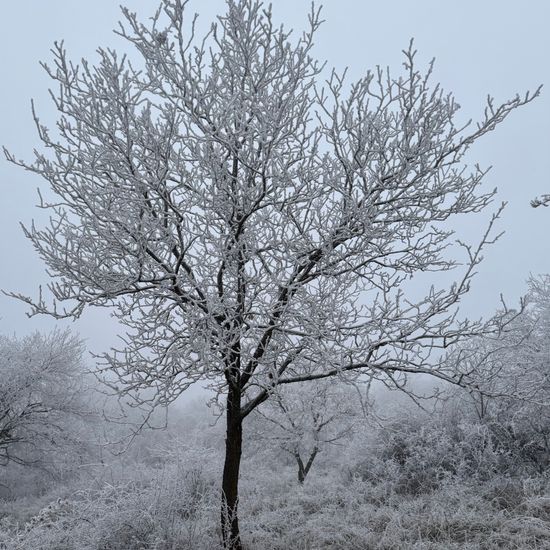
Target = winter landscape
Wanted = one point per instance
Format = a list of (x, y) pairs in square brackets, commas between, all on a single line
[(285, 282)]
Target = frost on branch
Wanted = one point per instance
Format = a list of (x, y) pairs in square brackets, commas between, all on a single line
[(543, 200)]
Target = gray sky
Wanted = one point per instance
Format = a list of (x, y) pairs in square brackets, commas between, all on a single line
[(491, 46)]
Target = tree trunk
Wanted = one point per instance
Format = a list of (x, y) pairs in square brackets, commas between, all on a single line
[(230, 483), (303, 470)]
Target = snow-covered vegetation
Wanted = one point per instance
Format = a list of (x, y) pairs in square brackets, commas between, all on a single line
[(284, 240), (445, 480), (455, 476)]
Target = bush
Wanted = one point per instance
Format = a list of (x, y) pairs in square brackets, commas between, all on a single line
[(172, 509)]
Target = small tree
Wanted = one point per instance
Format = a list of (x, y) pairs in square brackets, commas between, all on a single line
[(248, 226), (303, 419), (41, 393)]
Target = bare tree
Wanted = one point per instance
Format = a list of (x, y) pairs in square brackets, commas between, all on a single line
[(238, 216), (303, 419), (41, 391)]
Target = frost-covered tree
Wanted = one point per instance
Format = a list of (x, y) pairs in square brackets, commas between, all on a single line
[(41, 396), (511, 372), (303, 419), (514, 364), (250, 223)]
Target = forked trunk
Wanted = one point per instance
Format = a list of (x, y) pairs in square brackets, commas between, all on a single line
[(230, 483), (303, 469)]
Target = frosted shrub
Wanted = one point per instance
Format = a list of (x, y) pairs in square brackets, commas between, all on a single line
[(50, 515), (418, 457), (177, 508), (505, 494), (170, 510), (411, 459)]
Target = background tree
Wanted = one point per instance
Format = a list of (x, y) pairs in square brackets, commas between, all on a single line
[(41, 397), (513, 365), (238, 217), (303, 419), (512, 373)]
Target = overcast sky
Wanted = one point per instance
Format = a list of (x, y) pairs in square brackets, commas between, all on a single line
[(481, 47)]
